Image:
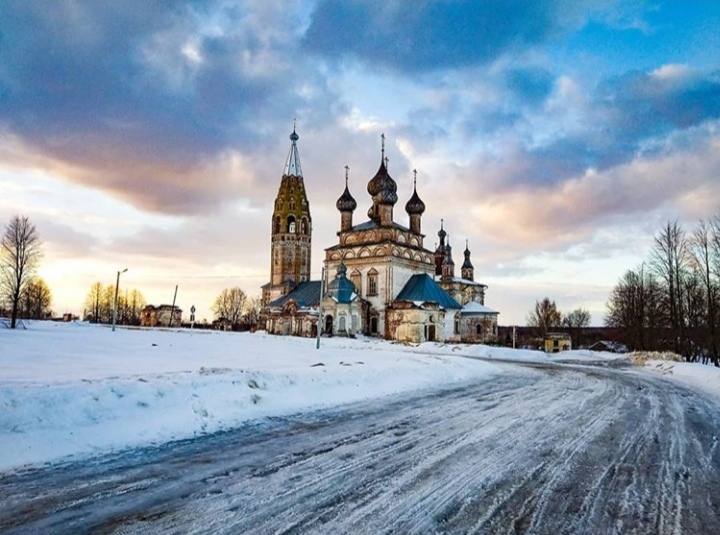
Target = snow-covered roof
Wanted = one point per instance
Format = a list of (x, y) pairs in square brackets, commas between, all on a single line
[(463, 281), (476, 308)]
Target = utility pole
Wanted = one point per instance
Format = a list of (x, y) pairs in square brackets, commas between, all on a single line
[(319, 320), (117, 287), (172, 309)]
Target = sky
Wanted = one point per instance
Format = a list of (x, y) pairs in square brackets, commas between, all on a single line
[(555, 137)]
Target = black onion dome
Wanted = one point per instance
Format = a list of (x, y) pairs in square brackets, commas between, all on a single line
[(442, 233), (346, 202), (294, 137), (386, 196), (382, 182), (467, 264), (415, 204), (376, 183)]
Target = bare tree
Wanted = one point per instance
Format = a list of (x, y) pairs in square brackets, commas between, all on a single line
[(704, 249), (544, 317), (253, 308), (230, 304), (93, 302), (35, 299), (20, 254), (576, 321), (670, 262), (635, 308), (131, 304)]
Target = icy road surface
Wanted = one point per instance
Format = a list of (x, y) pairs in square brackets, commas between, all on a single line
[(550, 450)]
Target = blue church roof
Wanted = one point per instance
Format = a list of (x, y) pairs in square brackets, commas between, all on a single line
[(306, 294), (422, 288), (341, 288)]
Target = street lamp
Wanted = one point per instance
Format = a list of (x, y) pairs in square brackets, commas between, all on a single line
[(117, 286)]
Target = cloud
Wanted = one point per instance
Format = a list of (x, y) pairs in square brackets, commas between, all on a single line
[(680, 182), (425, 35), (150, 101)]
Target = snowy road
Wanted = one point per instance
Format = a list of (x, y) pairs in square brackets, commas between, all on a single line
[(550, 450)]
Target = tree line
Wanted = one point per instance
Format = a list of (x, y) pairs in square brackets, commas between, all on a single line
[(100, 302), (671, 302), (24, 295)]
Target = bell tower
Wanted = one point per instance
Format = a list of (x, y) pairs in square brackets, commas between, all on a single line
[(291, 228)]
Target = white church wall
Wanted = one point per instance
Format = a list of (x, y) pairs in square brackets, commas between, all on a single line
[(448, 325)]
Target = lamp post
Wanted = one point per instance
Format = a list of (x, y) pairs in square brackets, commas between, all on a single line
[(117, 286), (319, 320)]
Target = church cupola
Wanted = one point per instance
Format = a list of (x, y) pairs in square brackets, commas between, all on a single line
[(448, 266), (291, 224), (346, 204), (440, 251), (415, 207), (467, 271), (383, 190), (341, 289)]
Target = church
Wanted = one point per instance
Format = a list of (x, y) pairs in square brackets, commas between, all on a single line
[(379, 279)]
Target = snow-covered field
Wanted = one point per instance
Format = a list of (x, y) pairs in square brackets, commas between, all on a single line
[(78, 389)]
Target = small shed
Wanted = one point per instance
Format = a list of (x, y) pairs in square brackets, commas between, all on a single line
[(557, 342)]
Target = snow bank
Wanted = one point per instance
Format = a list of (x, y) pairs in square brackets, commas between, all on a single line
[(693, 374), (78, 389)]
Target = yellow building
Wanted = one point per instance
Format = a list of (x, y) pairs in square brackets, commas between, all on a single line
[(557, 342)]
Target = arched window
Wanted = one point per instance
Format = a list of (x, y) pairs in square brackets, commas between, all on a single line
[(341, 323), (276, 225), (291, 224), (372, 282), (304, 226), (292, 204)]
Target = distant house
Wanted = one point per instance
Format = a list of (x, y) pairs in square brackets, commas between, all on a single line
[(222, 324), (557, 342), (152, 316), (609, 346)]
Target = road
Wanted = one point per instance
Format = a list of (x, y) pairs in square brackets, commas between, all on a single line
[(544, 450)]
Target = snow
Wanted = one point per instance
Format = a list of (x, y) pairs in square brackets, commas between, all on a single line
[(474, 307), (77, 389), (696, 376), (69, 390)]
